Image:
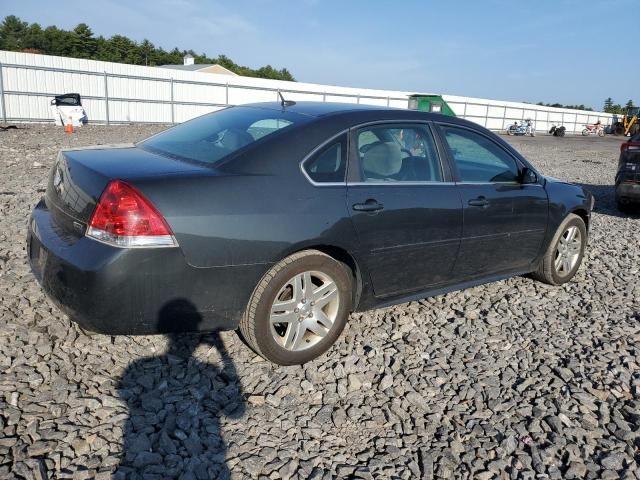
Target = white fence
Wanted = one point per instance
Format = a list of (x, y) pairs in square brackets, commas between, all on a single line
[(120, 93)]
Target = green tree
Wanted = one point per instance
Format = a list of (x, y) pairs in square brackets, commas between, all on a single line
[(148, 52), (57, 42), (80, 42), (34, 38), (628, 106), (608, 105), (555, 105), (12, 33), (83, 45)]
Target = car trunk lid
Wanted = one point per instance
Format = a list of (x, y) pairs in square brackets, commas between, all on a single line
[(79, 177)]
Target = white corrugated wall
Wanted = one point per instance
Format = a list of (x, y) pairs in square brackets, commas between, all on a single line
[(150, 94)]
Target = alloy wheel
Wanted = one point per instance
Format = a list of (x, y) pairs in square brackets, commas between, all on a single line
[(568, 251), (304, 310)]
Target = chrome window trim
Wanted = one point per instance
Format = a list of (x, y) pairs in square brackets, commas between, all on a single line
[(377, 122), (404, 183), (399, 183), (316, 150), (498, 183)]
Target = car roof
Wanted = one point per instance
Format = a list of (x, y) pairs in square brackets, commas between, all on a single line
[(357, 112), (318, 109)]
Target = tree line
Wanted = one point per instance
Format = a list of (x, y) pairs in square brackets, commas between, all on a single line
[(572, 107), (611, 107), (19, 36)]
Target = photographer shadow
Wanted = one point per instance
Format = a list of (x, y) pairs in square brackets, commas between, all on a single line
[(176, 402)]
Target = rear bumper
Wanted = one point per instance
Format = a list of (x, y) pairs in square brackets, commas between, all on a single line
[(628, 191), (134, 291)]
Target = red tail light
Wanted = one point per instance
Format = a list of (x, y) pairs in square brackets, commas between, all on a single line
[(629, 146), (125, 218)]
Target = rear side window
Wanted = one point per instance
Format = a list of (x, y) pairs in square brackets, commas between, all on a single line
[(328, 165), (398, 153), (479, 159), (212, 137)]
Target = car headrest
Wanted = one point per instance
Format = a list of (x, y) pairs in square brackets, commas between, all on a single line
[(234, 139), (382, 159)]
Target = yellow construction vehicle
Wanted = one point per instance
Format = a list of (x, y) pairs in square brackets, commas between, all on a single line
[(629, 124)]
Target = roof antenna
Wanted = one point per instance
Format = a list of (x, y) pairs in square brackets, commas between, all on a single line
[(285, 103)]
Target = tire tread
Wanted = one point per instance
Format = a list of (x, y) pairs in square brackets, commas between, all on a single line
[(544, 272), (247, 322)]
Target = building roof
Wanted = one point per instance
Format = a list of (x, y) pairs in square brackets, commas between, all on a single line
[(196, 67), (193, 68)]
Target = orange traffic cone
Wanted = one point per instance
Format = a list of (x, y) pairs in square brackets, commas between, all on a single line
[(68, 128)]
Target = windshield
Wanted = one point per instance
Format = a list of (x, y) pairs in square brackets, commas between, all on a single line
[(214, 136)]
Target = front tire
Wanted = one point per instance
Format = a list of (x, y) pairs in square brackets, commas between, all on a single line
[(565, 252), (299, 308), (585, 132)]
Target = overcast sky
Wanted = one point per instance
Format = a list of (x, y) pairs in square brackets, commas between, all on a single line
[(566, 51)]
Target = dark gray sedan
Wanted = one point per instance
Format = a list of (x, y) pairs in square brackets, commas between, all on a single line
[(281, 219)]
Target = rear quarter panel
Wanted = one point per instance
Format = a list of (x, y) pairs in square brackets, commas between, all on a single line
[(256, 208), (249, 219)]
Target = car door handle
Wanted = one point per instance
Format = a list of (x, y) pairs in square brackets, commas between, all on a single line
[(370, 205), (479, 202)]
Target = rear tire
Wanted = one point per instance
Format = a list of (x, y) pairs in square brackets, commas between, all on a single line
[(299, 308), (623, 205), (585, 132), (565, 252)]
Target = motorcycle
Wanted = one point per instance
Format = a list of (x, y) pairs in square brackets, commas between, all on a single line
[(595, 129), (558, 131), (521, 129)]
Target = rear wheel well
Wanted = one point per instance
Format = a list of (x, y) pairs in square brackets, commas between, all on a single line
[(344, 257)]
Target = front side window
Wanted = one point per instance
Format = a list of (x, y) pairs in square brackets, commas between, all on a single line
[(478, 159), (212, 137), (397, 153), (328, 165)]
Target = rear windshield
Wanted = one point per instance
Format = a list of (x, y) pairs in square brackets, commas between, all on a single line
[(212, 137)]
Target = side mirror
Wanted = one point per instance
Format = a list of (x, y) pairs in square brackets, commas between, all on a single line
[(528, 176)]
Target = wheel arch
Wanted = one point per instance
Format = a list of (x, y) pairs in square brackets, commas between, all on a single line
[(583, 214), (343, 256)]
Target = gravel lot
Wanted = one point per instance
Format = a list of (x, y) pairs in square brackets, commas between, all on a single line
[(514, 379)]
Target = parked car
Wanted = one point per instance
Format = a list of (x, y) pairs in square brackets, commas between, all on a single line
[(280, 220), (628, 174)]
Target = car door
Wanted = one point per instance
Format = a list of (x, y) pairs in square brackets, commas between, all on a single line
[(406, 211), (504, 219)]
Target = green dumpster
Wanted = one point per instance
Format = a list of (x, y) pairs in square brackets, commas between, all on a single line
[(430, 103)]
